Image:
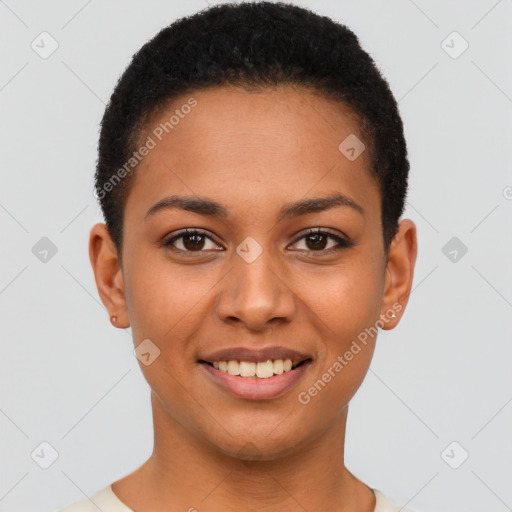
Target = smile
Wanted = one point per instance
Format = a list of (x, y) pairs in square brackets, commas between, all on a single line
[(255, 373), (260, 370)]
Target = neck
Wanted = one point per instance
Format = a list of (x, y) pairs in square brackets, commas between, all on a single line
[(186, 473)]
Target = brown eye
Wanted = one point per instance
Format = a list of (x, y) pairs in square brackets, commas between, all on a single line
[(193, 242), (190, 241), (318, 241)]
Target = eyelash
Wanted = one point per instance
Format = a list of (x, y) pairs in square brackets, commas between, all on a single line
[(342, 242)]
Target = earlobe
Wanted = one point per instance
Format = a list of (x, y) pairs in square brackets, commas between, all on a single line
[(107, 273), (399, 274)]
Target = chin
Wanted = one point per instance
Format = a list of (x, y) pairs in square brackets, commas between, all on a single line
[(260, 444), (250, 452)]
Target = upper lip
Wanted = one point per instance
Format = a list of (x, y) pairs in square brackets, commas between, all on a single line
[(255, 355)]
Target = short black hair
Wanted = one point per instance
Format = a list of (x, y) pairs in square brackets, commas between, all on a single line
[(251, 45)]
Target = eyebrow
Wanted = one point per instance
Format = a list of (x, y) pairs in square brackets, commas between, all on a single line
[(211, 208)]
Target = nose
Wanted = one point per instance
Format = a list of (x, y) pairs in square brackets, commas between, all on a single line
[(255, 295)]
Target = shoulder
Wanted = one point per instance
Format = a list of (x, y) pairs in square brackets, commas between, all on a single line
[(104, 500), (384, 504)]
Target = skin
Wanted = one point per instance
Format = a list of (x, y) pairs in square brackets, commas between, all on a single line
[(253, 153)]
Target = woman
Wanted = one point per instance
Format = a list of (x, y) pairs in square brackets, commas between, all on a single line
[(252, 172)]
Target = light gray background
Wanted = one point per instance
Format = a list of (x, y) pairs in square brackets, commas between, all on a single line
[(69, 378)]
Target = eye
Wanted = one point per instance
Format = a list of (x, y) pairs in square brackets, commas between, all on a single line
[(317, 240), (191, 240)]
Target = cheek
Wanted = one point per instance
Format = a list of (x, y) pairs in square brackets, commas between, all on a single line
[(345, 310), (346, 304), (166, 303), (346, 300)]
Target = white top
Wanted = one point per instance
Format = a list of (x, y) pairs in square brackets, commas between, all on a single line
[(106, 501)]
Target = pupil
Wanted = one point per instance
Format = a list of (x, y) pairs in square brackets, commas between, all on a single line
[(196, 244), (318, 239)]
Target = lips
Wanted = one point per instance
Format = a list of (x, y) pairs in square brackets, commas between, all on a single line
[(256, 374)]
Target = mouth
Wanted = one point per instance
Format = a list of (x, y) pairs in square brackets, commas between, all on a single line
[(256, 374), (260, 369)]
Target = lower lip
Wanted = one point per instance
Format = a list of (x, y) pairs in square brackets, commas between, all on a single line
[(254, 388)]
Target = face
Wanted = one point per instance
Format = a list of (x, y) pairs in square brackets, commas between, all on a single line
[(249, 237)]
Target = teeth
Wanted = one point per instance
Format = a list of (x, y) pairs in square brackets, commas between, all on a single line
[(262, 370), (233, 368), (278, 366), (265, 370), (247, 369)]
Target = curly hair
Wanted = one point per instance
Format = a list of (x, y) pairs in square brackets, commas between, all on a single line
[(251, 45)]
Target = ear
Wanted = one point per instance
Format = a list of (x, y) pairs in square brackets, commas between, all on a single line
[(399, 274), (108, 273)]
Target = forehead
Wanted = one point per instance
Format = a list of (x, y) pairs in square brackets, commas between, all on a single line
[(270, 146)]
